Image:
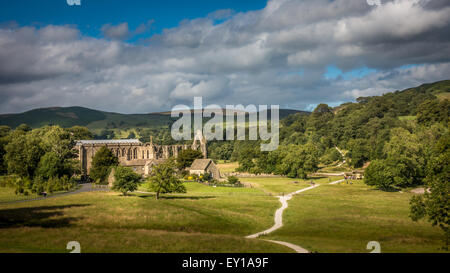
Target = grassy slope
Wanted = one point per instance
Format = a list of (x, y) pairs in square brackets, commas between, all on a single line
[(282, 185), (344, 218), (330, 218), (227, 167), (95, 120), (206, 219)]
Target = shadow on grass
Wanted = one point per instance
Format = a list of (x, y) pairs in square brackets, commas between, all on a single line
[(152, 196), (43, 216)]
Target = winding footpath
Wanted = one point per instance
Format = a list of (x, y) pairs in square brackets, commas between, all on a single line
[(279, 219), (343, 156), (278, 213)]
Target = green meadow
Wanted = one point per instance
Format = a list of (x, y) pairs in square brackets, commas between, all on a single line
[(206, 219), (345, 217), (330, 218), (284, 185)]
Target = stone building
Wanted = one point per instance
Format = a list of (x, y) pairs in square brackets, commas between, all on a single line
[(202, 166), (134, 153)]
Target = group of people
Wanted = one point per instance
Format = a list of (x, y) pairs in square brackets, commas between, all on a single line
[(347, 178)]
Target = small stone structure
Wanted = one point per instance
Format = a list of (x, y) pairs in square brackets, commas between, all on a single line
[(202, 166)]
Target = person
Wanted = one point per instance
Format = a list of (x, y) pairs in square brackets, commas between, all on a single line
[(44, 194)]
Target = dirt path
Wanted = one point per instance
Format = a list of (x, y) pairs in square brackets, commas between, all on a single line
[(342, 154), (279, 219)]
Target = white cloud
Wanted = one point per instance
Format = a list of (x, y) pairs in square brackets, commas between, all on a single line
[(275, 55), (119, 32)]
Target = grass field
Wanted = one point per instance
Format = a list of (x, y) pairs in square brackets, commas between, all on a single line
[(443, 96), (344, 218), (283, 185), (330, 218), (227, 167), (206, 219), (7, 194)]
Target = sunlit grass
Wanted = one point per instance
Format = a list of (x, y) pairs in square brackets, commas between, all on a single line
[(330, 218), (283, 185), (345, 217), (206, 219), (227, 167), (7, 194)]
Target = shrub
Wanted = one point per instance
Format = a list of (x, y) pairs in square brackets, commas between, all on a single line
[(233, 180), (126, 180)]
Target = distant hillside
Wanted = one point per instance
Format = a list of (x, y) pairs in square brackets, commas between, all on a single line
[(408, 99), (95, 119)]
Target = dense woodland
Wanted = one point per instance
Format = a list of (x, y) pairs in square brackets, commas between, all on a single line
[(396, 132)]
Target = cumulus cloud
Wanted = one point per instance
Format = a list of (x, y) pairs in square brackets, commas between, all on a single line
[(123, 32), (277, 55), (119, 32)]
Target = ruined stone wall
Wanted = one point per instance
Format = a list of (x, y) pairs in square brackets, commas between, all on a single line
[(129, 152)]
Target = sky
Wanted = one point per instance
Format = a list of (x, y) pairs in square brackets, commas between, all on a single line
[(148, 56)]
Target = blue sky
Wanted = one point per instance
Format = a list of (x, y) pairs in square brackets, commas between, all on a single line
[(334, 72), (148, 56), (91, 15)]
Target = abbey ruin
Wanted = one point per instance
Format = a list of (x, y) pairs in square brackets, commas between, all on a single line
[(134, 153)]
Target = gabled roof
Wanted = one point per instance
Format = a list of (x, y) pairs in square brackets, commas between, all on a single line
[(200, 164), (153, 162), (108, 141), (134, 162)]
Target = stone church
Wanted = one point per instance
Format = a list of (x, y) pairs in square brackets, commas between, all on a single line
[(141, 157)]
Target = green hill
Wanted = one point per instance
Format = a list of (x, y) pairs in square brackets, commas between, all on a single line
[(95, 120), (404, 102)]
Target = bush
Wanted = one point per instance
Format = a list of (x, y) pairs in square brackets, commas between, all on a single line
[(8, 181), (233, 180), (126, 180), (22, 185), (207, 177)]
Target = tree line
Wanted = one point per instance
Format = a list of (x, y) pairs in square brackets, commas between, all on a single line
[(41, 160)]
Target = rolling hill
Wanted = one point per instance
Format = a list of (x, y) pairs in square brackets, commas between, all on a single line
[(94, 119), (97, 120)]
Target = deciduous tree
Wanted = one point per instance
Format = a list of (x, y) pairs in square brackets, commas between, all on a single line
[(125, 180), (163, 179), (102, 162)]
